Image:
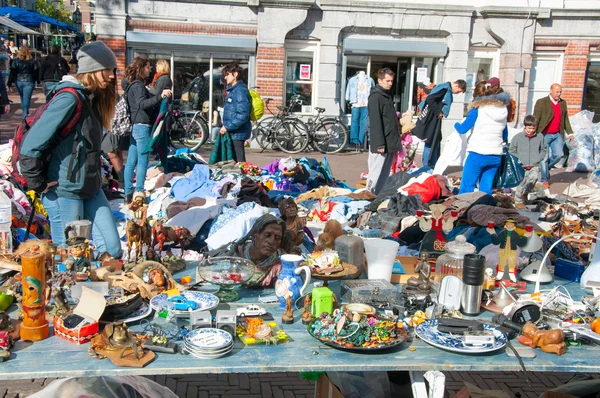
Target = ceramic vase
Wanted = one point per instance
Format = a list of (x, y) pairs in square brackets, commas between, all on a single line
[(289, 281)]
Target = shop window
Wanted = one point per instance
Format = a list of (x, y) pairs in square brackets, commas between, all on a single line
[(481, 65), (300, 75), (591, 101), (546, 69), (423, 79), (354, 64)]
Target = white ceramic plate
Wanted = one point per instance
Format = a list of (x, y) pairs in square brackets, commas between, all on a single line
[(208, 356), (207, 351), (141, 313), (208, 338), (429, 333)]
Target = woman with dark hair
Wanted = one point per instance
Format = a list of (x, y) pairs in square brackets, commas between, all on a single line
[(70, 182), (262, 245), (236, 112), (487, 122), (24, 73), (143, 109)]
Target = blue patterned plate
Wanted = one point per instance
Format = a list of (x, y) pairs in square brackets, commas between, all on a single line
[(205, 301), (428, 332), (208, 338)]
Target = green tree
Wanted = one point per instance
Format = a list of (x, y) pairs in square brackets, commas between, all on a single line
[(45, 7)]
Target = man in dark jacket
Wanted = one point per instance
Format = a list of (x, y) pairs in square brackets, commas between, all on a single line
[(385, 135), (54, 67)]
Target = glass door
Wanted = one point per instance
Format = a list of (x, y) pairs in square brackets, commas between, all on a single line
[(401, 86), (591, 99)]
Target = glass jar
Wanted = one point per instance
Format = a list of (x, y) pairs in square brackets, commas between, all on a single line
[(451, 262)]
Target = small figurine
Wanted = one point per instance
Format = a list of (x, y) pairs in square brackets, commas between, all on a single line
[(5, 322), (115, 341), (489, 281), (141, 279), (136, 234), (421, 283), (307, 316), (294, 225), (508, 240), (157, 277), (139, 208), (162, 234), (550, 341), (60, 283), (331, 231), (77, 262), (436, 228), (288, 315), (6, 343)]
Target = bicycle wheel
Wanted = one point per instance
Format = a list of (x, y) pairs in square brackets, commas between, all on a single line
[(195, 132), (292, 136), (330, 136), (263, 134)]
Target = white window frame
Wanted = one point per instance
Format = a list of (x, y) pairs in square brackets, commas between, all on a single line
[(493, 54), (545, 56), (307, 46)]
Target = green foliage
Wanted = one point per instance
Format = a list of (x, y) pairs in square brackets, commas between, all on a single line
[(45, 7)]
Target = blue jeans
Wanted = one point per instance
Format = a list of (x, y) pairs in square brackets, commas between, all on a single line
[(482, 168), (360, 116), (429, 157), (140, 135), (25, 90), (97, 210), (554, 143)]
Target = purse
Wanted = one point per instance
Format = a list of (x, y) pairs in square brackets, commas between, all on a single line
[(510, 173)]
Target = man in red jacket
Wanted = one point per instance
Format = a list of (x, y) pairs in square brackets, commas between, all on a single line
[(553, 122)]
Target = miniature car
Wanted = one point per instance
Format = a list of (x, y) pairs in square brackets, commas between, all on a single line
[(251, 310), (181, 304), (5, 340)]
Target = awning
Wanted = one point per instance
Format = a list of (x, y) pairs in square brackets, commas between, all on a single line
[(32, 18), (400, 48), (175, 41), (16, 27)]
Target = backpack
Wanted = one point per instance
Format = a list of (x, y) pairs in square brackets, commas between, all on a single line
[(257, 106), (121, 124), (28, 123)]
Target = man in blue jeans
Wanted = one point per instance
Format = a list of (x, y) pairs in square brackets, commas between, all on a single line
[(553, 122)]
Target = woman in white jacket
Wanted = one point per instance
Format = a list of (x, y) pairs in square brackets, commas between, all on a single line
[(487, 120)]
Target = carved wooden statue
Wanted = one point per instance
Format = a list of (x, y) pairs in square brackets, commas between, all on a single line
[(331, 231), (34, 326), (551, 341)]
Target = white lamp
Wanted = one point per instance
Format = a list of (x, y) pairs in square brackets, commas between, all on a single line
[(530, 273), (534, 243)]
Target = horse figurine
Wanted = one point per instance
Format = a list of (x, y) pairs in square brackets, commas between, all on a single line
[(162, 234), (137, 234)]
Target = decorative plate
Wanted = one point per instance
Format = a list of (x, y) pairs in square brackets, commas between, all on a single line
[(428, 332), (207, 356), (205, 301), (138, 314), (399, 340), (208, 338), (208, 352)]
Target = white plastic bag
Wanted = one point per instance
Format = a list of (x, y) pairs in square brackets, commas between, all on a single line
[(581, 156)]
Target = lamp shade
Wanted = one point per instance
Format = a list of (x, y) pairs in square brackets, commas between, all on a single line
[(534, 243)]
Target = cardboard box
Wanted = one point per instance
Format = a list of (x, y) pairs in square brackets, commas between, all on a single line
[(408, 263), (326, 389), (91, 306)]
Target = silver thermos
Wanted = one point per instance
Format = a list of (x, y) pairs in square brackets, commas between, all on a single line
[(473, 275)]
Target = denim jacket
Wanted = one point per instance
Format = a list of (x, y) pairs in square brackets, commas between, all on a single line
[(352, 89), (447, 97), (236, 112)]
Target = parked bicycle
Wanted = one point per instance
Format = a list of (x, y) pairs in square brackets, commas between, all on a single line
[(279, 130), (325, 134), (189, 129)]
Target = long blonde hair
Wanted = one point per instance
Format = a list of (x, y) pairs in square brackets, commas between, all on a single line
[(24, 53), (105, 99), (162, 66)]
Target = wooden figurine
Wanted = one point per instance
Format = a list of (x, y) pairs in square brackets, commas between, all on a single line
[(508, 240), (550, 341), (162, 234), (136, 234), (307, 316), (60, 283), (331, 231), (421, 283), (34, 326), (288, 315), (77, 263), (294, 225)]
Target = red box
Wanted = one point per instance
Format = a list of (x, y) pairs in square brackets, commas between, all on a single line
[(91, 306)]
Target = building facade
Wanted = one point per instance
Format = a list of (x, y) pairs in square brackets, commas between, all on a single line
[(312, 48)]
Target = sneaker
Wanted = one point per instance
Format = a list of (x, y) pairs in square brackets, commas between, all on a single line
[(546, 184)]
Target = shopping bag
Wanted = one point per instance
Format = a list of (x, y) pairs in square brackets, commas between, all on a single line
[(510, 173)]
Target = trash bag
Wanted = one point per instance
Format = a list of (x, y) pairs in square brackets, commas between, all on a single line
[(581, 155), (361, 384), (596, 134)]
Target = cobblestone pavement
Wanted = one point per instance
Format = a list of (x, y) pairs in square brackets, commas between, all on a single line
[(292, 385)]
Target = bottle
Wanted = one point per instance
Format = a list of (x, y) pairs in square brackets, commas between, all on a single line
[(473, 275), (351, 249), (6, 246)]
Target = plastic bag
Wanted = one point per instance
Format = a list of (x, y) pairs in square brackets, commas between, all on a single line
[(596, 134), (581, 156), (105, 386), (361, 384)]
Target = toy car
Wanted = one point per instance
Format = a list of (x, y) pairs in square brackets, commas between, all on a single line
[(181, 304), (251, 310), (5, 340)]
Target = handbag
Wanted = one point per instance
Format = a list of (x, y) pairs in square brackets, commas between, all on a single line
[(510, 173)]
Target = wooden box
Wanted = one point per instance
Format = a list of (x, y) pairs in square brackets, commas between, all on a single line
[(91, 306)]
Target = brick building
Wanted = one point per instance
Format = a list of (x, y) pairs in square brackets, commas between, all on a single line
[(313, 48)]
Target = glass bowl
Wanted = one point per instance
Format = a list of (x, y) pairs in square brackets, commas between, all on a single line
[(226, 272)]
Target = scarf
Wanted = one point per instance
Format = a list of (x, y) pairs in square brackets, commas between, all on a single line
[(156, 76)]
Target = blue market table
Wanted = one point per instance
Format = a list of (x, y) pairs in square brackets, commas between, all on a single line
[(55, 357)]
